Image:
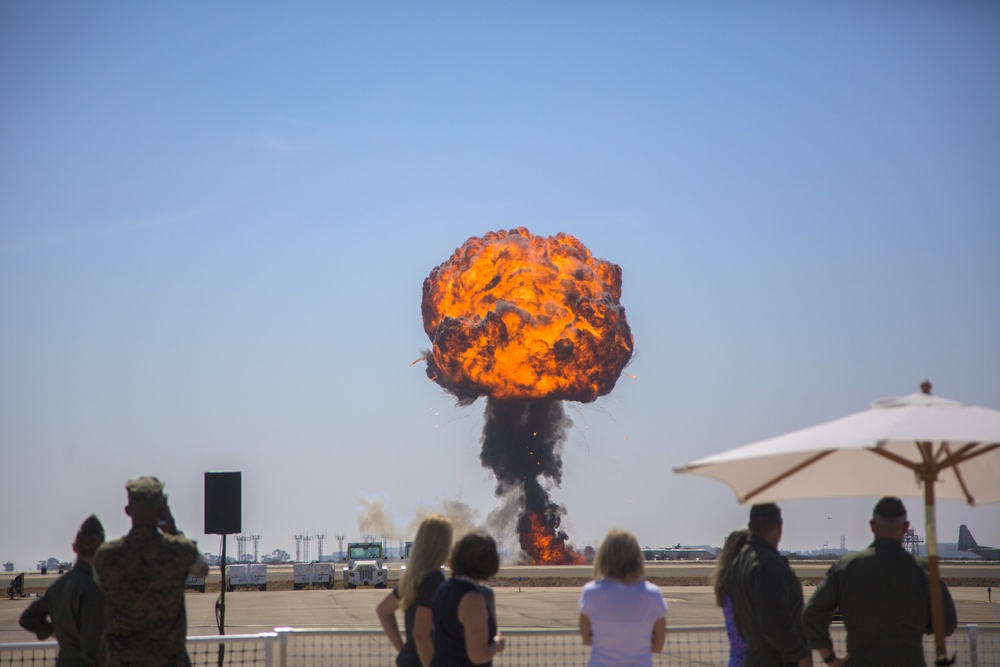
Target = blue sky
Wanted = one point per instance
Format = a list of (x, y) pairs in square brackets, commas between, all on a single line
[(215, 222)]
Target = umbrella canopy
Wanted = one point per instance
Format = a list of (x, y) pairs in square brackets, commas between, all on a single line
[(913, 445), (871, 453)]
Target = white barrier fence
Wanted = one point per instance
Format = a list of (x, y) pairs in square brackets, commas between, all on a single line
[(686, 646)]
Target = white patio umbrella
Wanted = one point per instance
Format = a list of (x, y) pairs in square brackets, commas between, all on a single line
[(916, 445)]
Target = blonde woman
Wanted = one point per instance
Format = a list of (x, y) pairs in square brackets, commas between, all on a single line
[(623, 617), (414, 594)]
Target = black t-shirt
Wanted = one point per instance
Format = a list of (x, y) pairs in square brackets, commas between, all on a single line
[(425, 593)]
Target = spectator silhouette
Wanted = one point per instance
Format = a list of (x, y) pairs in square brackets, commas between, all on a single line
[(142, 576), (72, 608)]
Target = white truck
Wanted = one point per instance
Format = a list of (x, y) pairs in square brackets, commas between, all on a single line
[(312, 575), (365, 566), (246, 576), (197, 583)]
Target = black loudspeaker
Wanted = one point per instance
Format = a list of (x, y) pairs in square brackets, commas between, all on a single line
[(223, 507)]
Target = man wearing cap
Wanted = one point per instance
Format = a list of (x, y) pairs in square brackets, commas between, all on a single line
[(72, 608), (142, 576), (883, 593), (767, 596)]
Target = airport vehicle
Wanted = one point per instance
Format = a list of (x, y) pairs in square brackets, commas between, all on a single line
[(197, 583), (365, 566), (312, 574), (966, 542), (246, 576)]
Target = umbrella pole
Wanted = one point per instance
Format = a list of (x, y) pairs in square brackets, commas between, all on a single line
[(933, 570)]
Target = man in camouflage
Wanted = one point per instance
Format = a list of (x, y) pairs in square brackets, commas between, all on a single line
[(142, 576)]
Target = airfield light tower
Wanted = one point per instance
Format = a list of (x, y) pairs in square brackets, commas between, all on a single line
[(241, 548), (340, 542), (307, 539), (319, 538), (912, 542)]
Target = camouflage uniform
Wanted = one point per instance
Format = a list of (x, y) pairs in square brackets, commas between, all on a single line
[(142, 576)]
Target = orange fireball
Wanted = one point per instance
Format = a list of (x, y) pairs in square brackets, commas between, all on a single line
[(516, 316), (546, 546)]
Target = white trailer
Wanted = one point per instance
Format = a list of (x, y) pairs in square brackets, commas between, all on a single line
[(312, 575), (246, 576)]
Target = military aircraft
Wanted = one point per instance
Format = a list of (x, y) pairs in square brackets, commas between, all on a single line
[(678, 553), (968, 543)]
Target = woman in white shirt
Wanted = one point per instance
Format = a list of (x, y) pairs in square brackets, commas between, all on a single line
[(622, 616)]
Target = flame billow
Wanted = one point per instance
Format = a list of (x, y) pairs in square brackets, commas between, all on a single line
[(527, 321), (521, 444)]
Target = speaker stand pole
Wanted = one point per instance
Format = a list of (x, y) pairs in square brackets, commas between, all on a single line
[(222, 604)]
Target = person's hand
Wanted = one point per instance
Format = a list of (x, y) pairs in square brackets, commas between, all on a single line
[(501, 643), (167, 524)]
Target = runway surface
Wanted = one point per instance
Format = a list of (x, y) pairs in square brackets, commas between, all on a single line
[(681, 573), (530, 607)]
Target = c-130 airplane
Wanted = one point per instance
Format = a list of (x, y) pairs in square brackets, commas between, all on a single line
[(968, 543)]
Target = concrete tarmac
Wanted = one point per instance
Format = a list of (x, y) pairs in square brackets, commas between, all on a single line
[(249, 612), (682, 573), (529, 605)]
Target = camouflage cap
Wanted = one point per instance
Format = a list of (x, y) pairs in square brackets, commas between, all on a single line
[(147, 490)]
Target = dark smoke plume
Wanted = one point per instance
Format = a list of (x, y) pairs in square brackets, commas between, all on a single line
[(522, 442)]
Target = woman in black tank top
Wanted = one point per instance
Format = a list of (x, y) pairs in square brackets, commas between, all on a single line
[(465, 627)]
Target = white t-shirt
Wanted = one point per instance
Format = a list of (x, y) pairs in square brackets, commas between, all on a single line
[(621, 619)]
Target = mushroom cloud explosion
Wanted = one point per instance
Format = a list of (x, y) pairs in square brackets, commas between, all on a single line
[(528, 322)]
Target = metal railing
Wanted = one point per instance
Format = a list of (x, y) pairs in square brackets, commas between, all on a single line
[(686, 646)]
